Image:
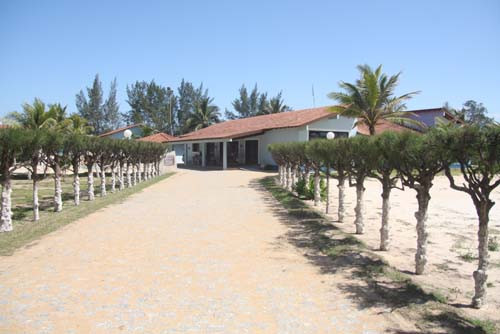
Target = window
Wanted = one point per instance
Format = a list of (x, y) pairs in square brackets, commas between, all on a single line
[(196, 147), (322, 134)]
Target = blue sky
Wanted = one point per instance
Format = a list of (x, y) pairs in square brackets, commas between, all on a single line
[(450, 50)]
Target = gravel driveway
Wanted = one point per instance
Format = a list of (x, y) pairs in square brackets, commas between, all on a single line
[(200, 252)]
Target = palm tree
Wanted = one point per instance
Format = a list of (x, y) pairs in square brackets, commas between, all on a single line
[(205, 114), (371, 99), (276, 105), (35, 116)]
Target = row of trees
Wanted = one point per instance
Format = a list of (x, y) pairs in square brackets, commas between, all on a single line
[(403, 160), (163, 109), (128, 162)]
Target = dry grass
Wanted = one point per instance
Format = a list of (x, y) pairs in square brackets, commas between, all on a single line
[(26, 230)]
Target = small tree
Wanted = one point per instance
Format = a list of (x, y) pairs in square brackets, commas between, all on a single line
[(54, 158), (33, 155), (386, 159), (12, 143), (420, 162), (361, 155), (75, 148), (338, 156), (316, 153), (91, 157), (478, 153)]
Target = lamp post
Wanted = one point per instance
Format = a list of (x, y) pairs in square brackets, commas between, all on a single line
[(170, 94), (127, 134), (330, 135)]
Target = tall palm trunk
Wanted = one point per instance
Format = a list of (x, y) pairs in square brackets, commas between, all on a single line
[(359, 209), (480, 274), (58, 204), (90, 181), (341, 208), (76, 182), (386, 207), (6, 210), (423, 198)]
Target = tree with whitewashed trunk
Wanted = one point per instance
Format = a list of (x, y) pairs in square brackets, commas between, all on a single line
[(477, 151), (91, 157), (54, 158), (32, 157), (337, 155), (315, 152), (420, 162), (387, 157), (75, 149), (105, 153), (12, 143), (361, 156), (275, 150)]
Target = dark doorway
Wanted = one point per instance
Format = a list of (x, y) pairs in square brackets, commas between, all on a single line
[(251, 152), (232, 153)]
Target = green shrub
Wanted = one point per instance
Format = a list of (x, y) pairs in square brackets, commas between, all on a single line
[(301, 189), (322, 189)]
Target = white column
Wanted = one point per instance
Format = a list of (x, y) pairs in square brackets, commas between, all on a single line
[(224, 155)]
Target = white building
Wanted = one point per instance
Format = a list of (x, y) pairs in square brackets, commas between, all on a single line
[(245, 141)]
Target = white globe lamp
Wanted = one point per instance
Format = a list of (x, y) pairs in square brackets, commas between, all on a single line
[(127, 134), (330, 135)]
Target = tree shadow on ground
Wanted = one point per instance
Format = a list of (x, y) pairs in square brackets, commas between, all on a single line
[(372, 283)]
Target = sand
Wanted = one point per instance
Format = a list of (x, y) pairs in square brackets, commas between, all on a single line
[(452, 226), (200, 252)]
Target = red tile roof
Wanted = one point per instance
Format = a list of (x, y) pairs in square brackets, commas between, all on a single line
[(3, 126), (382, 126), (119, 130), (258, 124), (158, 138)]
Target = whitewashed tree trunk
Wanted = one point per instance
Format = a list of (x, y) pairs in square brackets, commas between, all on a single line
[(58, 204), (76, 184), (121, 184), (480, 275), (137, 173), (90, 182), (113, 179), (139, 176), (317, 193), (294, 176), (423, 198), (359, 209), (134, 180), (386, 207), (103, 182), (341, 208), (327, 207), (6, 211), (127, 171), (281, 176), (36, 204), (288, 178)]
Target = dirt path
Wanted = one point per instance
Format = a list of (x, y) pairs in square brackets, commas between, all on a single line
[(201, 252)]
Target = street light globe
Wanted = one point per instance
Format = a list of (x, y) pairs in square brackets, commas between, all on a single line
[(127, 134), (330, 135)]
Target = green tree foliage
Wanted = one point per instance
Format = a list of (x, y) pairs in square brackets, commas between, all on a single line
[(101, 115), (36, 116), (471, 113), (255, 103), (371, 99), (478, 153), (187, 100)]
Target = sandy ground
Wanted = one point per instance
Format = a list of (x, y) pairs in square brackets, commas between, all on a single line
[(452, 227), (200, 252)]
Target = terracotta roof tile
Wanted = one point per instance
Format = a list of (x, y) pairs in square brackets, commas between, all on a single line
[(258, 124), (382, 126), (158, 138), (119, 130)]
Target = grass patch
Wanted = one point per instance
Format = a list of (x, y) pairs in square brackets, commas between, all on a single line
[(467, 257), (335, 251), (26, 230)]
